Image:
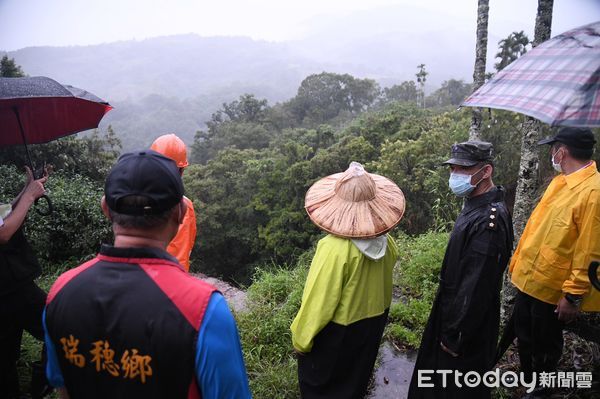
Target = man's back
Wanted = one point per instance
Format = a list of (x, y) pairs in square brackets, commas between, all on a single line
[(127, 326), (132, 323)]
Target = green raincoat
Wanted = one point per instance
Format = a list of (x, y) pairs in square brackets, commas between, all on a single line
[(343, 286)]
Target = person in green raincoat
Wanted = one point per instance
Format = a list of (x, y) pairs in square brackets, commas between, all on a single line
[(348, 291)]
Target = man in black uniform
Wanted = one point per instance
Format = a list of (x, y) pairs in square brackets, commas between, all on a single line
[(462, 330), (21, 300)]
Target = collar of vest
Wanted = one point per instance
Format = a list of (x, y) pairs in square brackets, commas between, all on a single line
[(136, 255)]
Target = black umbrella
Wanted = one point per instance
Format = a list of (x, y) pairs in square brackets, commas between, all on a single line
[(36, 110)]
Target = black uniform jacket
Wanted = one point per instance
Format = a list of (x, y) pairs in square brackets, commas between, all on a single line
[(466, 312)]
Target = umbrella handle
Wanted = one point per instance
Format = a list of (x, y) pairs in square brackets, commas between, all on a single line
[(50, 207), (593, 274)]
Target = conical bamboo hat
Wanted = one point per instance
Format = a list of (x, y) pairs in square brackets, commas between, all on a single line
[(355, 203)]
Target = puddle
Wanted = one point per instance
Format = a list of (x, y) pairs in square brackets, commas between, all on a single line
[(392, 378)]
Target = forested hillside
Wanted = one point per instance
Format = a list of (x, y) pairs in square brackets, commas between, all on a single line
[(254, 161), (250, 169)]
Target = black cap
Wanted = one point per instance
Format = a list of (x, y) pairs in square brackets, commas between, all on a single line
[(576, 137), (471, 153), (147, 174)]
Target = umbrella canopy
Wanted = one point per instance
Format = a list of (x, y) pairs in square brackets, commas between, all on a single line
[(41, 110), (36, 110), (557, 82)]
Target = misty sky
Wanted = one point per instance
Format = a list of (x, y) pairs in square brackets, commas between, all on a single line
[(25, 23)]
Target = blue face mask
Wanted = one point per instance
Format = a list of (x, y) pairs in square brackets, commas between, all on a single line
[(461, 184)]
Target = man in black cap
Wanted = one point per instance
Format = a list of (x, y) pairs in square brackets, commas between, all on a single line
[(462, 330), (550, 264), (131, 323)]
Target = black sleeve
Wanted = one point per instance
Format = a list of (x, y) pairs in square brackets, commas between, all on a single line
[(480, 275)]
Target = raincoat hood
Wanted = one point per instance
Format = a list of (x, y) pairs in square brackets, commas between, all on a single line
[(372, 248)]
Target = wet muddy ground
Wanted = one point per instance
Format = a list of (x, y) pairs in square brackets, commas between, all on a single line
[(394, 368), (392, 377)]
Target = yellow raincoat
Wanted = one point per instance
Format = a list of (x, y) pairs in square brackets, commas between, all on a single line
[(182, 244), (562, 236), (343, 286)]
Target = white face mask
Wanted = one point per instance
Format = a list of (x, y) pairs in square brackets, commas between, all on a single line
[(556, 166)]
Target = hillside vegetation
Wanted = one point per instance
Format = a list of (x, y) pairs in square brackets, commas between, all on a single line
[(251, 167)]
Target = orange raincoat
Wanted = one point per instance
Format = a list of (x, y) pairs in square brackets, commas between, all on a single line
[(562, 236), (182, 244)]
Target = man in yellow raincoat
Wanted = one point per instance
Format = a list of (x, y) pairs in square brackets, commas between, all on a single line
[(550, 264), (347, 295), (181, 246)]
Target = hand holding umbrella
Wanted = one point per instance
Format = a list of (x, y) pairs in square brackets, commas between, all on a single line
[(35, 187)]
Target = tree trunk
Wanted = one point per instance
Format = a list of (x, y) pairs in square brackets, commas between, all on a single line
[(480, 61), (543, 22), (528, 180)]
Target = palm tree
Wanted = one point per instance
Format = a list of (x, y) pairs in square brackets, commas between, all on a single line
[(421, 78), (528, 180), (480, 60), (511, 48)]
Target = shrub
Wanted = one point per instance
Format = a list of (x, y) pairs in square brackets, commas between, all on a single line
[(76, 228)]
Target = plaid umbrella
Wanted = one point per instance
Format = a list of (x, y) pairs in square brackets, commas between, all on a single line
[(557, 82)]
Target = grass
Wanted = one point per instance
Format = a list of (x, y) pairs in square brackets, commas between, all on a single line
[(415, 282), (273, 301)]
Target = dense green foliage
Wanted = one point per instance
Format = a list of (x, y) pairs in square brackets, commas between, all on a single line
[(91, 155), (77, 226), (253, 164), (75, 189), (256, 167)]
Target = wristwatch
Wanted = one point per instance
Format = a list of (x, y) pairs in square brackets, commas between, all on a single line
[(574, 300)]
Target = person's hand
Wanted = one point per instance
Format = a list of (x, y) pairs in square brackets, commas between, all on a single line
[(567, 312), (448, 350), (35, 189)]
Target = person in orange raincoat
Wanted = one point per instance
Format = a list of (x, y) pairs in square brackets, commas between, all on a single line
[(181, 246)]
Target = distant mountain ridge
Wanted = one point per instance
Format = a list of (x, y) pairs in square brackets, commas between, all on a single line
[(174, 83), (190, 65)]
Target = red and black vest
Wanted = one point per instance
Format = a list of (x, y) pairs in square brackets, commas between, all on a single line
[(125, 325)]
